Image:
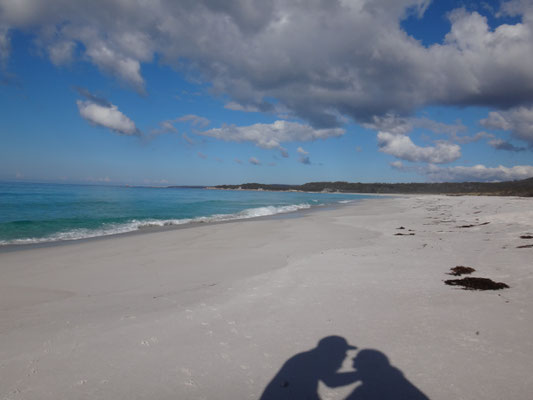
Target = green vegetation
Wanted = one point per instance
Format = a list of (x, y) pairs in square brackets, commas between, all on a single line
[(509, 188)]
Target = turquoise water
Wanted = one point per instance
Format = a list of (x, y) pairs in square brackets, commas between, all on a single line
[(34, 213)]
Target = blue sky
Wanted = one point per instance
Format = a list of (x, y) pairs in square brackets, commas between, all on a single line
[(265, 91)]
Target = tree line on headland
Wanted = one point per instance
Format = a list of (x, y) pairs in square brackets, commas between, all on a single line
[(508, 188)]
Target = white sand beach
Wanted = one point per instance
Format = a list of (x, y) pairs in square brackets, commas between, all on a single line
[(214, 311)]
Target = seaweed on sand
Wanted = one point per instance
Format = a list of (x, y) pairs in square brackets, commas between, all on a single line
[(476, 284), (461, 270)]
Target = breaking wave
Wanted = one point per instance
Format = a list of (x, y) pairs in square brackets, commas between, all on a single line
[(135, 225)]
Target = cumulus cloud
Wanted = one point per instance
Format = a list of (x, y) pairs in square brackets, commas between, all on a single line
[(62, 52), (393, 123), (519, 121), (254, 161), (300, 150), (500, 144), (100, 112), (336, 59), (271, 136), (401, 146), (116, 63)]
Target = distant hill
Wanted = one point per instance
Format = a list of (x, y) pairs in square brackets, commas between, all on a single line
[(509, 188)]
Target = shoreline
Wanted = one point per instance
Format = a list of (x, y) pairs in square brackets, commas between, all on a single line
[(186, 225), (216, 311)]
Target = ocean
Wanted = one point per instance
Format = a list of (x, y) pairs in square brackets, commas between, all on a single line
[(38, 213)]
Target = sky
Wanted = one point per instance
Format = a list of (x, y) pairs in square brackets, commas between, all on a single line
[(205, 92)]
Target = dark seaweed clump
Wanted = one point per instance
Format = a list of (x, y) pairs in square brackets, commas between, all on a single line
[(460, 270), (476, 284)]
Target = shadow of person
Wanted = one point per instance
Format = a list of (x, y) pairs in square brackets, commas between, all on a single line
[(380, 380), (298, 377)]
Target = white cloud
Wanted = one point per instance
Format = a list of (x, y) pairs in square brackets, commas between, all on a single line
[(116, 63), (194, 120), (478, 173), (333, 59), (254, 161), (474, 173), (107, 116), (61, 53), (271, 136), (396, 124), (401, 146), (304, 157), (518, 120), (397, 165)]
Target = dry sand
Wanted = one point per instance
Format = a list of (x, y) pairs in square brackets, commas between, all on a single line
[(214, 311)]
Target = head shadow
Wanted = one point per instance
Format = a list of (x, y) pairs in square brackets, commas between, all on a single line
[(377, 379), (298, 377), (380, 380)]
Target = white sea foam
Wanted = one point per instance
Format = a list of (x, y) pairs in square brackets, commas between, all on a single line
[(135, 225)]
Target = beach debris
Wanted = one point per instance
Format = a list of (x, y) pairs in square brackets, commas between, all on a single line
[(525, 246), (461, 270), (401, 227), (526, 237), (471, 283), (404, 234), (472, 225)]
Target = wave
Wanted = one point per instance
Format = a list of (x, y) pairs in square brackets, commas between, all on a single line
[(135, 225)]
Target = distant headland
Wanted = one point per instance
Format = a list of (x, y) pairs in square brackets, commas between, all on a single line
[(508, 188)]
